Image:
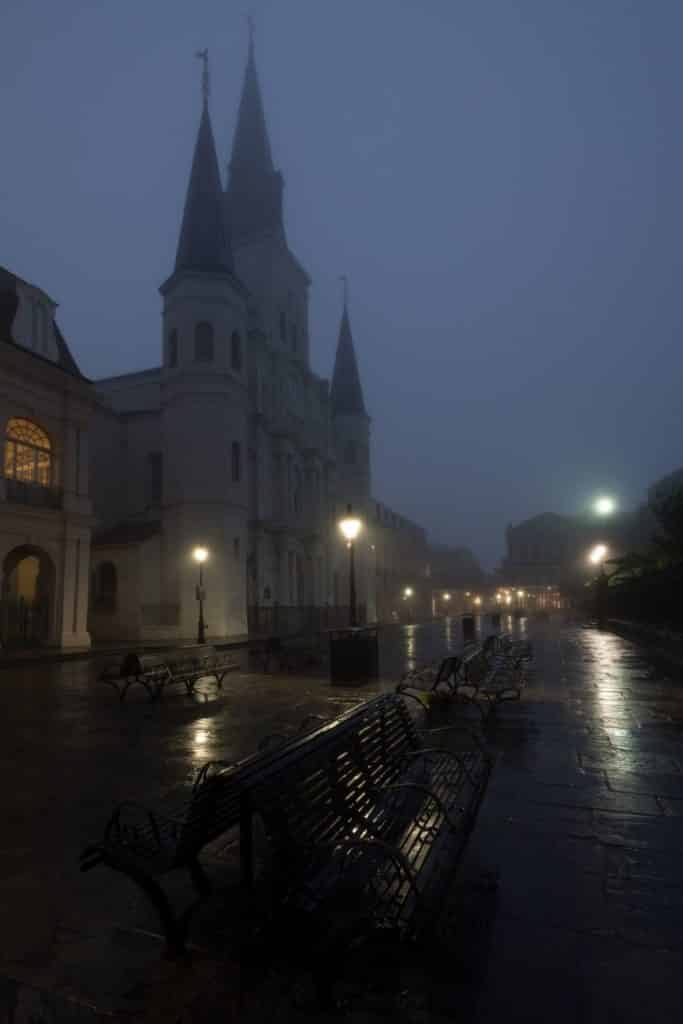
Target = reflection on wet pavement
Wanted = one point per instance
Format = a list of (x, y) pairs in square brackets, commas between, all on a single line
[(583, 822)]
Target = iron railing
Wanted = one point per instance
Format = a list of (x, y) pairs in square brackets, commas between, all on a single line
[(22, 492)]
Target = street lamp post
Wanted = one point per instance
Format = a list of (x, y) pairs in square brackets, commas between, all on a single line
[(597, 556), (350, 527), (200, 555)]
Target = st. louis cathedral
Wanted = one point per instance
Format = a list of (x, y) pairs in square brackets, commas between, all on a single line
[(233, 444)]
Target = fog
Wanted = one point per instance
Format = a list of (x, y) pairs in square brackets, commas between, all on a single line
[(499, 180)]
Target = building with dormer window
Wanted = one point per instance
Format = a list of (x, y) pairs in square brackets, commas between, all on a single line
[(45, 513)]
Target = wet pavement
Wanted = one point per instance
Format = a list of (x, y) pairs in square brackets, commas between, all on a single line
[(582, 824)]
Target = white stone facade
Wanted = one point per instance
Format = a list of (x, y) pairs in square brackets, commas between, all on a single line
[(233, 443), (45, 511)]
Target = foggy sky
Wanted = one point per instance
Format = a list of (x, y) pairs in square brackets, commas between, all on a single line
[(500, 180)]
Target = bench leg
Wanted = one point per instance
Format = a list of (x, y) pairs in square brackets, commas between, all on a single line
[(173, 929)]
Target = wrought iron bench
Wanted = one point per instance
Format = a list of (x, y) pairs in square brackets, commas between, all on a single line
[(430, 679), (367, 823), (185, 666), (493, 673), (382, 791)]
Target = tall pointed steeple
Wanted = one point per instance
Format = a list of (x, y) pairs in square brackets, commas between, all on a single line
[(204, 242), (346, 393), (254, 190)]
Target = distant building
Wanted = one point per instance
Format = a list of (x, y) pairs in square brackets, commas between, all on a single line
[(233, 443), (552, 550), (45, 515)]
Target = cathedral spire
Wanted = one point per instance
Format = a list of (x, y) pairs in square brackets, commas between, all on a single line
[(346, 392), (203, 242), (254, 191)]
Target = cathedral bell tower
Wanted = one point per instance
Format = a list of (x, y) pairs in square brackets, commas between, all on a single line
[(204, 407)]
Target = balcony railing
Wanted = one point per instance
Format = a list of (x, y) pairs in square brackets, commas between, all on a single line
[(21, 492)]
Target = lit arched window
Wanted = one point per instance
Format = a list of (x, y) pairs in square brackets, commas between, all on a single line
[(173, 348), (28, 453), (203, 343), (236, 351)]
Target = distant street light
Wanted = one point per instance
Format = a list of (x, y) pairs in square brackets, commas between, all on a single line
[(408, 592), (598, 554), (446, 597), (350, 527), (604, 506), (477, 600), (200, 555)]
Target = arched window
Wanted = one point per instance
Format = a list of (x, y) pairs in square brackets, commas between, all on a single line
[(283, 327), (292, 336), (173, 347), (236, 351), (28, 453), (203, 343), (105, 586)]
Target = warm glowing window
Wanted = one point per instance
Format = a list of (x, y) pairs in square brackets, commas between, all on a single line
[(28, 453)]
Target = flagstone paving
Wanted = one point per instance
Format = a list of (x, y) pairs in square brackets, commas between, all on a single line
[(582, 827)]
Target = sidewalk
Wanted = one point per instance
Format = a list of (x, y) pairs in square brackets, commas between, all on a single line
[(582, 824), (12, 658)]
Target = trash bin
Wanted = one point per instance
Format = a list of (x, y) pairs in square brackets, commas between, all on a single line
[(354, 655), (469, 629)]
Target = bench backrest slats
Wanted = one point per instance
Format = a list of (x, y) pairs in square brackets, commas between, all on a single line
[(329, 790)]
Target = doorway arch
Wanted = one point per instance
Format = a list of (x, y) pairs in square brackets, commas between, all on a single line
[(27, 597)]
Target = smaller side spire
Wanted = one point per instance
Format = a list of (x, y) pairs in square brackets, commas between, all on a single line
[(203, 242), (346, 393)]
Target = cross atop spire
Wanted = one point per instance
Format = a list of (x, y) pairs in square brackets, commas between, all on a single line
[(203, 55)]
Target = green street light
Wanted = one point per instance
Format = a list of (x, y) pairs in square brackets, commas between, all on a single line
[(604, 505)]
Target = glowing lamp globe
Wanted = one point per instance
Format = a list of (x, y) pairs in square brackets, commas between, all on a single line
[(605, 506), (350, 526), (598, 554)]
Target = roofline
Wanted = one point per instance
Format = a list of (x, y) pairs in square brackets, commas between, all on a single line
[(127, 376), (48, 362), (29, 284), (225, 275)]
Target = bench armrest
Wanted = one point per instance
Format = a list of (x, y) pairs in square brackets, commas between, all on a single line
[(426, 735), (130, 818), (207, 770)]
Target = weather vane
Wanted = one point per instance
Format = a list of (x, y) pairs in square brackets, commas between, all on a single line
[(203, 55)]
